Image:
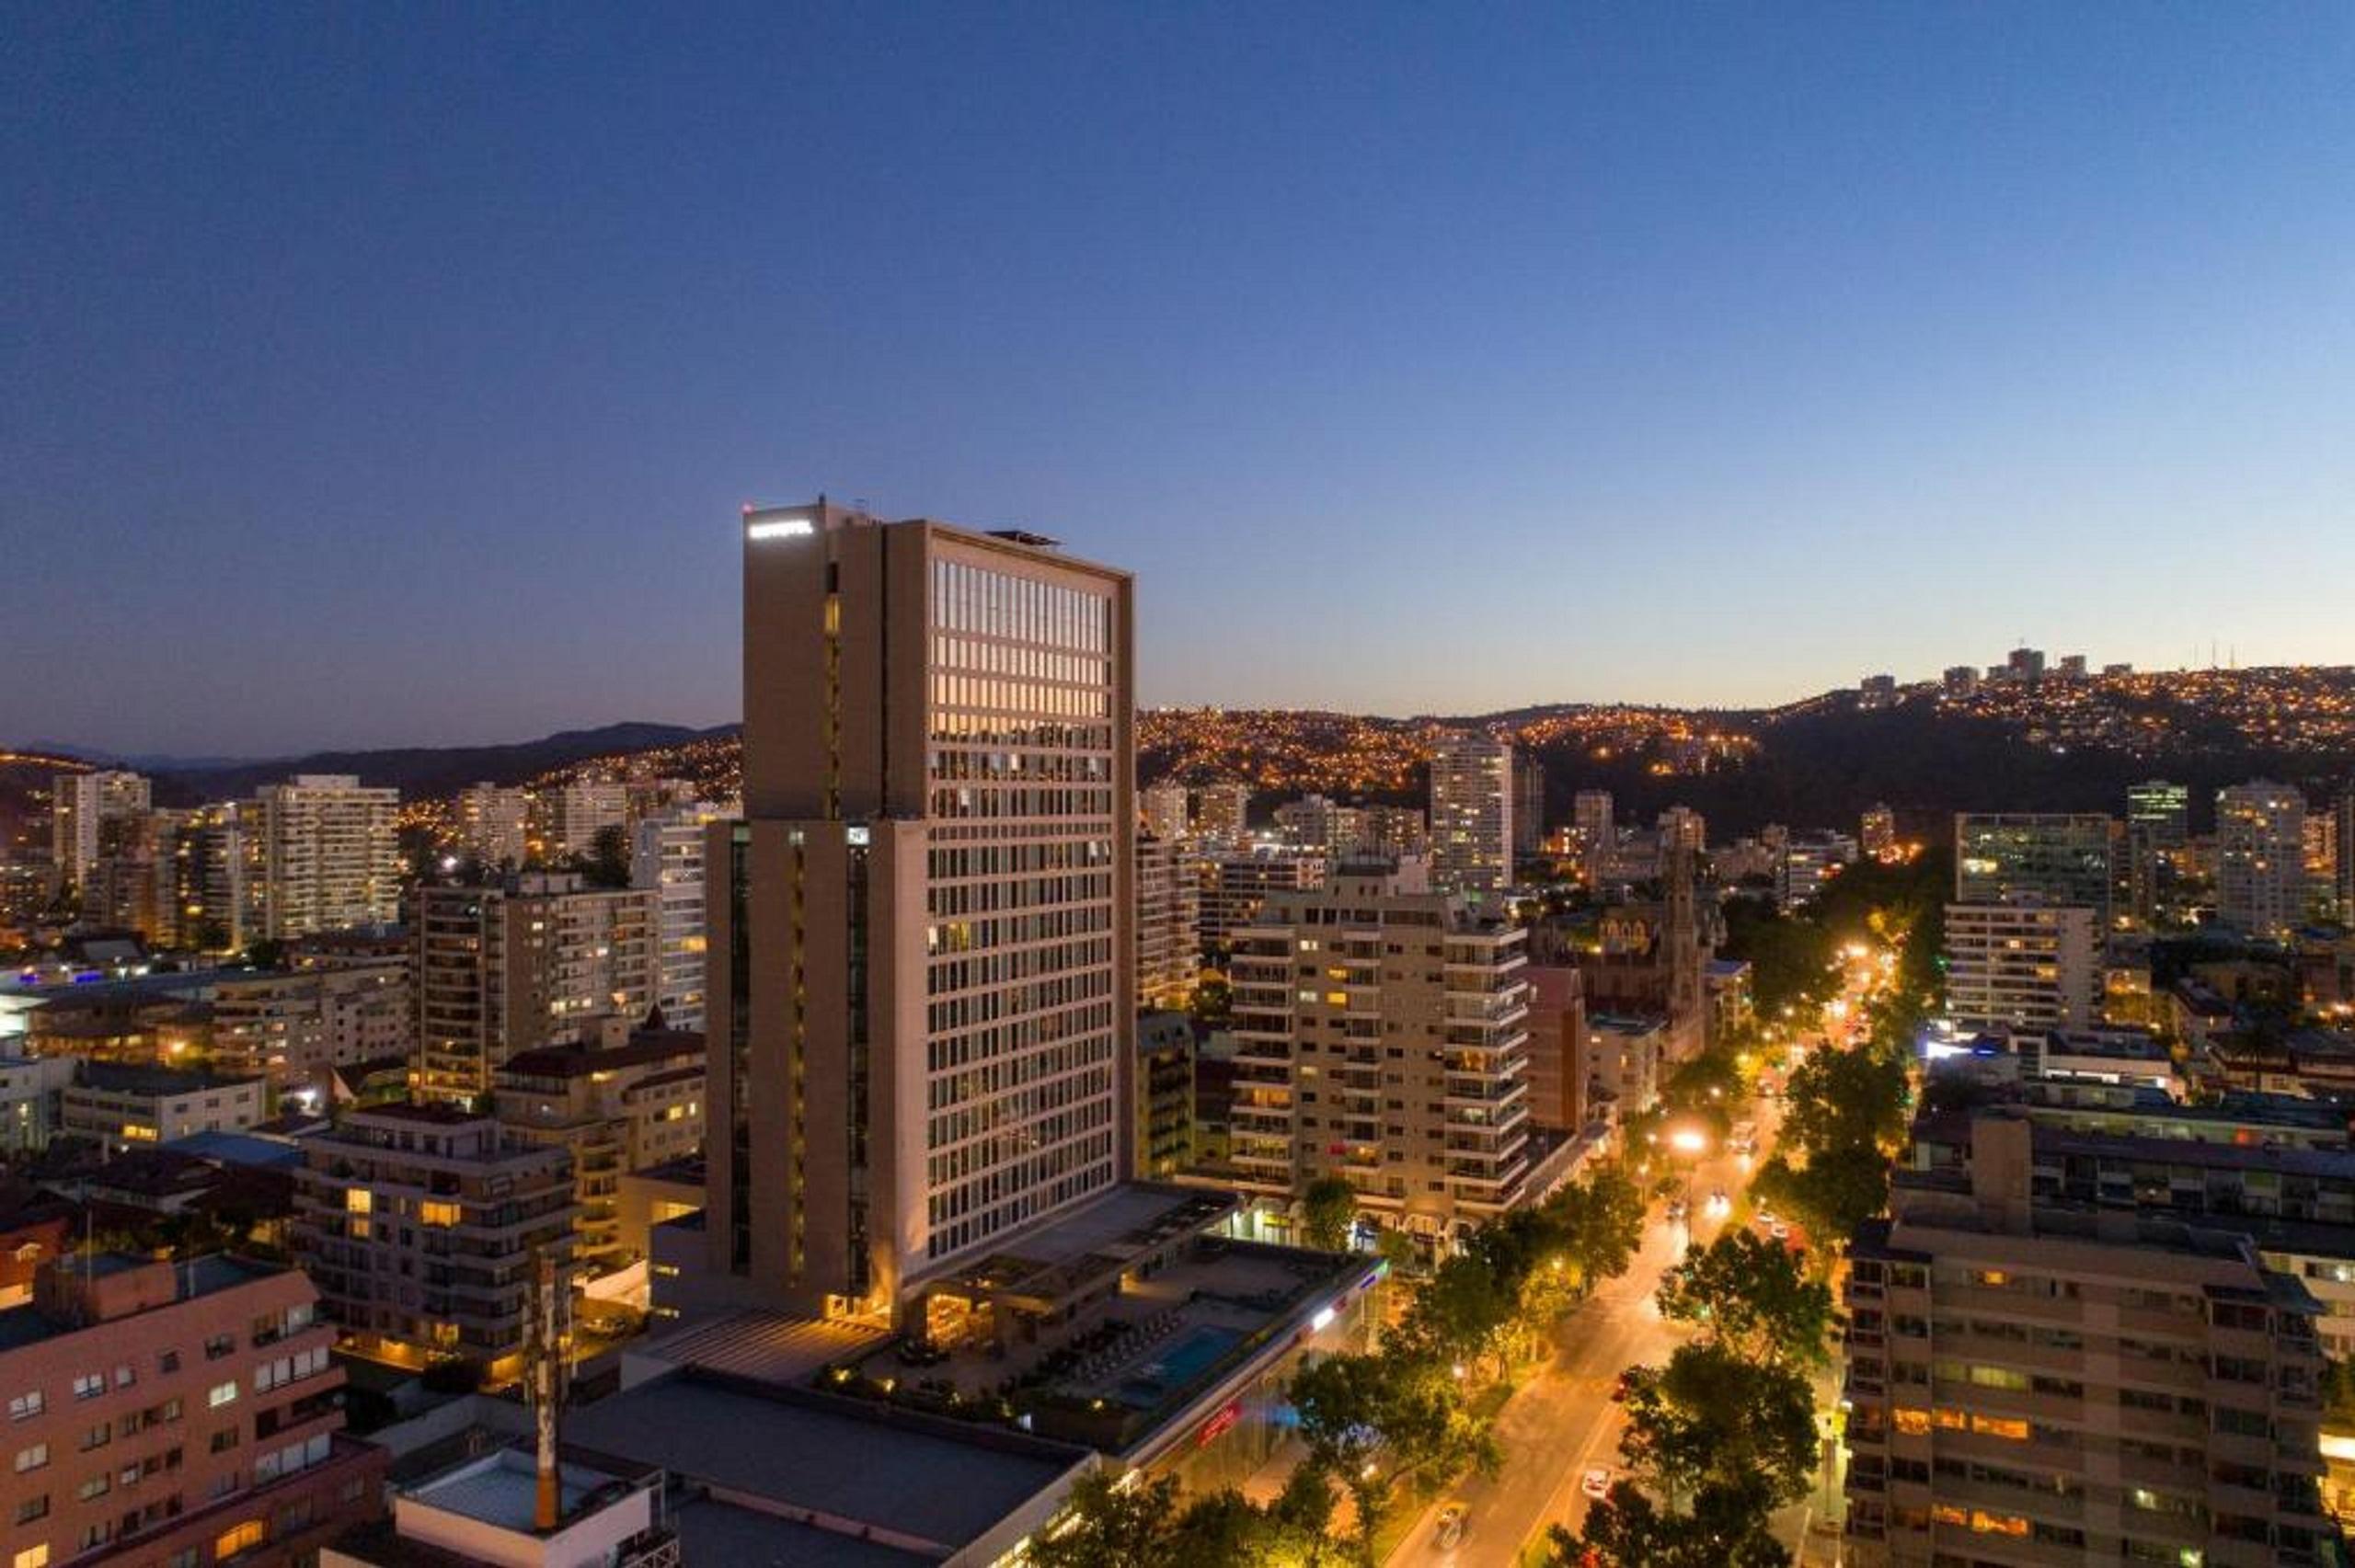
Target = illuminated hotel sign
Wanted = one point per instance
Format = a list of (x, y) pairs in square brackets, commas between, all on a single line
[(780, 528)]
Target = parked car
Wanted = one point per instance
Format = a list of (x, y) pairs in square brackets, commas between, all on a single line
[(1596, 1482)]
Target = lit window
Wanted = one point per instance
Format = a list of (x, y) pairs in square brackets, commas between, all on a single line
[(33, 1557), (239, 1537), (432, 1213), (1913, 1423), (223, 1393), (359, 1200)]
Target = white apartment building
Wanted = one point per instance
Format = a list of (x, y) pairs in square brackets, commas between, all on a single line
[(1382, 1036), (2260, 858), (667, 859), (494, 824), (79, 802), (1168, 913), (329, 857), (2027, 968), (579, 811), (1472, 816), (1234, 884), (293, 1028)]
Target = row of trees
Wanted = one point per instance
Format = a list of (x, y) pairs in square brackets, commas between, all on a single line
[(1725, 1433), (1384, 1424)]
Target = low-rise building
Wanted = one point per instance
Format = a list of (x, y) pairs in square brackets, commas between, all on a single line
[(2104, 1056), (124, 1106), (32, 1101), (176, 1413), (420, 1223)]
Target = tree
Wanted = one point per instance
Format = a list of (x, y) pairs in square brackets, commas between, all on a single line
[(1462, 1312), (607, 862), (1113, 1522), (1327, 1212), (1834, 1192), (1750, 1295), (1602, 1218), (1370, 1421), (1625, 1530), (1712, 1419), (1847, 1099)]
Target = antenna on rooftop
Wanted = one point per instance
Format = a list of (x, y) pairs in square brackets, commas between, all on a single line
[(544, 1376)]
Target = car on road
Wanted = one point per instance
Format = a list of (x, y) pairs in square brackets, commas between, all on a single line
[(1596, 1482), (1447, 1534), (1718, 1203), (1677, 1210)]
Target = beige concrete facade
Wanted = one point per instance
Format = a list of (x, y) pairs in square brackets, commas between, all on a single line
[(922, 933), (1382, 1036)]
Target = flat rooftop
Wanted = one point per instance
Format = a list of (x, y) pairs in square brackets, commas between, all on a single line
[(810, 1452), (502, 1489), (28, 1325)]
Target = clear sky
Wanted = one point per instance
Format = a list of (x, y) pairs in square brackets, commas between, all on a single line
[(375, 375)]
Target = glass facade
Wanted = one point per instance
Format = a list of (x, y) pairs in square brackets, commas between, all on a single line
[(1020, 1108)]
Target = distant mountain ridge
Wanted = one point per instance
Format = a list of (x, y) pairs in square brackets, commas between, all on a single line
[(434, 771)]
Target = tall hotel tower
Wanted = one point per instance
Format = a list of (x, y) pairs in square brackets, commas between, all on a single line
[(920, 934)]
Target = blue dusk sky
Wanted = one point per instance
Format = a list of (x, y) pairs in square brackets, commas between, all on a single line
[(379, 374)]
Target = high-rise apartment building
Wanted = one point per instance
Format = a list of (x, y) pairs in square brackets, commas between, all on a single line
[(1472, 816), (495, 824), (78, 803), (218, 879), (2344, 814), (1960, 679), (577, 812), (1168, 914), (176, 1413), (1528, 803), (1395, 833), (1222, 813), (921, 986), (2032, 1381), (1877, 831), (667, 857), (295, 1027), (2260, 858), (537, 959), (2160, 812), (420, 1225), (2034, 857), (1803, 863), (1382, 1036), (1591, 819), (1320, 823), (2157, 830), (1165, 810), (329, 857), (2023, 967), (1682, 830)]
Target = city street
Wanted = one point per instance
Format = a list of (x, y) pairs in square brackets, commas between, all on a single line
[(1563, 1422)]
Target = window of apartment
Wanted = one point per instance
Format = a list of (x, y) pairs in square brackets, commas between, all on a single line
[(36, 1556), (225, 1440), (432, 1213), (221, 1394), (32, 1458), (98, 1436), (24, 1407), (98, 1485), (220, 1345), (32, 1509), (239, 1537), (169, 1362), (125, 1377), (89, 1385), (1913, 1423)]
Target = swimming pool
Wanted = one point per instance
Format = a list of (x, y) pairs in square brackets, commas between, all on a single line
[(1185, 1361)]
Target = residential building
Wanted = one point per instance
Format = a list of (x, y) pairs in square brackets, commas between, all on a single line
[(484, 1512), (420, 1225), (176, 1413), (2157, 831), (2343, 813), (217, 878), (1960, 679), (2026, 967), (78, 805), (2260, 858), (329, 857), (1558, 1048), (1163, 811), (1234, 884), (1472, 799), (1682, 830), (1805, 862), (124, 1107), (1164, 1077), (1168, 917), (2024, 664), (1591, 819), (1222, 813), (1394, 832), (667, 858), (2131, 1056), (1382, 1036), (1876, 833), (494, 825), (2033, 1379), (295, 1027), (2034, 857), (32, 1101), (923, 946), (1625, 1058), (2160, 812), (1320, 823), (577, 812), (1876, 691), (616, 1108), (1528, 803), (537, 959)]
